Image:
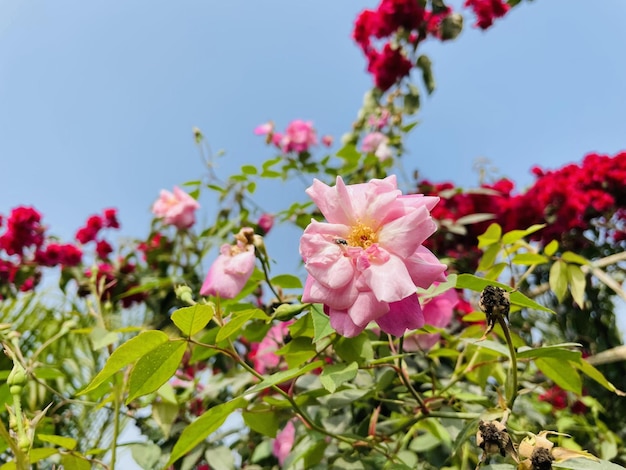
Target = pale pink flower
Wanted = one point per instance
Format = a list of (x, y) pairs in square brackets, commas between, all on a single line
[(231, 270), (263, 354), (284, 442), (177, 208), (327, 140), (378, 144), (264, 129), (438, 311), (365, 263), (299, 136), (379, 121)]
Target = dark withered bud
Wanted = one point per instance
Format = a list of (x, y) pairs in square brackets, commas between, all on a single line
[(495, 302), (493, 438), (541, 459)]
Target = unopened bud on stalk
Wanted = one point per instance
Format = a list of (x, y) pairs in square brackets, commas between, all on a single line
[(184, 294), (17, 379)]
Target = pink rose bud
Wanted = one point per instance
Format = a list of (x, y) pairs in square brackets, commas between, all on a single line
[(177, 208), (265, 223)]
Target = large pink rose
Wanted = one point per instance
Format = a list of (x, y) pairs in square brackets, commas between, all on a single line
[(365, 263), (177, 208)]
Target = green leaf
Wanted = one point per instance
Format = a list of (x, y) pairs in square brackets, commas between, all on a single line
[(287, 281), (146, 454), (101, 338), (297, 351), (593, 373), (349, 152), (559, 351), (126, 354), (562, 373), (65, 442), (202, 427), (528, 259), (475, 218), (221, 458), (357, 349), (492, 235), (489, 257), (558, 279), (577, 283), (424, 63), (571, 257), (263, 421), (586, 464), (412, 100), (515, 235), (477, 284), (249, 170), (74, 462), (286, 312), (336, 375), (551, 248), (321, 324), (237, 321), (191, 320), (155, 368), (284, 376)]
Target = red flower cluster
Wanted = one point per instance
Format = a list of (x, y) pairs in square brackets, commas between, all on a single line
[(407, 19), (559, 400), (570, 201), (487, 10), (89, 232)]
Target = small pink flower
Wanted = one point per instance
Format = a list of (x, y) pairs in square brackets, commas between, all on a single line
[(264, 129), (232, 268), (284, 442), (265, 223), (438, 311), (378, 122), (365, 264), (299, 136), (377, 143), (177, 208), (327, 140), (263, 354)]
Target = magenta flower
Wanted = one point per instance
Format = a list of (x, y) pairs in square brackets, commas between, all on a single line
[(284, 442), (299, 136), (232, 268), (177, 208), (365, 263), (438, 311), (263, 354)]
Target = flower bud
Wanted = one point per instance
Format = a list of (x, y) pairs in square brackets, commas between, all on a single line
[(17, 379), (184, 293)]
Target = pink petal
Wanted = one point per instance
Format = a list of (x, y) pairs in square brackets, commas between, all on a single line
[(343, 324), (390, 281), (403, 315), (405, 234), (339, 299), (425, 268)]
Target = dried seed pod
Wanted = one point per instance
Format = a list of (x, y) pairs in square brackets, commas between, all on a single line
[(541, 459), (493, 438), (495, 302)]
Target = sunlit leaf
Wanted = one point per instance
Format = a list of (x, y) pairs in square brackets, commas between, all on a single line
[(551, 248), (558, 279), (334, 376), (515, 235), (321, 324), (287, 281), (237, 321), (264, 421), (126, 354), (577, 283), (66, 442), (528, 259), (196, 432), (155, 368), (488, 258), (562, 373), (492, 235), (191, 320), (572, 257)]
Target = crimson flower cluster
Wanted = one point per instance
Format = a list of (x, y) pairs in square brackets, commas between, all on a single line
[(90, 231), (25, 248), (394, 17), (487, 11), (572, 201)]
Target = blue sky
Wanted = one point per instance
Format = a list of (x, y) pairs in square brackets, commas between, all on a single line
[(98, 99)]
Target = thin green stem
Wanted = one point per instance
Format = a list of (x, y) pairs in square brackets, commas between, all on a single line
[(512, 391)]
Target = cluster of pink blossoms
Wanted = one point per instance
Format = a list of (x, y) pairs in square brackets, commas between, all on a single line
[(366, 262), (299, 136)]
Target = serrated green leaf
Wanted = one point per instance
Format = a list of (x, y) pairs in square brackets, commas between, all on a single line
[(263, 421), (577, 283), (492, 235), (126, 354), (155, 368), (335, 375), (321, 324), (237, 321), (287, 281), (65, 442), (551, 248), (562, 373), (191, 320), (572, 257), (558, 279), (528, 259), (284, 376), (202, 427), (515, 235)]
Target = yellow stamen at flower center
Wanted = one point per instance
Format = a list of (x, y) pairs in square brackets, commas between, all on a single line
[(362, 235)]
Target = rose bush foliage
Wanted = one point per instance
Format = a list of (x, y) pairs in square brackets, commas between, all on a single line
[(430, 327)]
